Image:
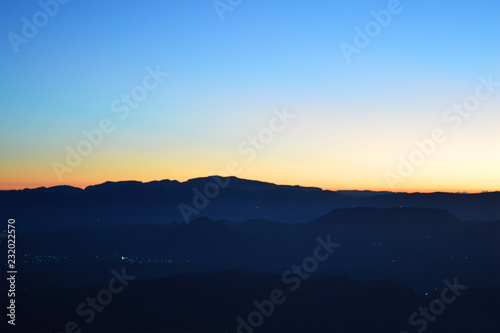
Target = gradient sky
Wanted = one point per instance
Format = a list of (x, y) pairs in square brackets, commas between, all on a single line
[(352, 120)]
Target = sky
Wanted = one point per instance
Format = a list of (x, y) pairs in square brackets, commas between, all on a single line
[(366, 95)]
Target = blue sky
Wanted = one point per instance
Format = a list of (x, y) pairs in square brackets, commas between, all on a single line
[(226, 77)]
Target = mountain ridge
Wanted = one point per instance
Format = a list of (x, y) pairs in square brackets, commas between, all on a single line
[(197, 179), (235, 200)]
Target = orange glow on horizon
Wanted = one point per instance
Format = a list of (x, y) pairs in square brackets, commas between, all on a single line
[(20, 185)]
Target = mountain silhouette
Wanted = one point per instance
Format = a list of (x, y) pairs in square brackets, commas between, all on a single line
[(392, 254), (375, 243), (132, 202)]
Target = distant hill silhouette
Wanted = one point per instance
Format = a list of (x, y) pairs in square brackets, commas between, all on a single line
[(398, 243), (132, 202)]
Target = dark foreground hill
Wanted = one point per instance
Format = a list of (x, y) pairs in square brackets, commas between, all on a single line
[(229, 198), (417, 246), (264, 303)]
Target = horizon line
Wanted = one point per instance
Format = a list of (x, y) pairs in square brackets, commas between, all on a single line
[(255, 180)]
